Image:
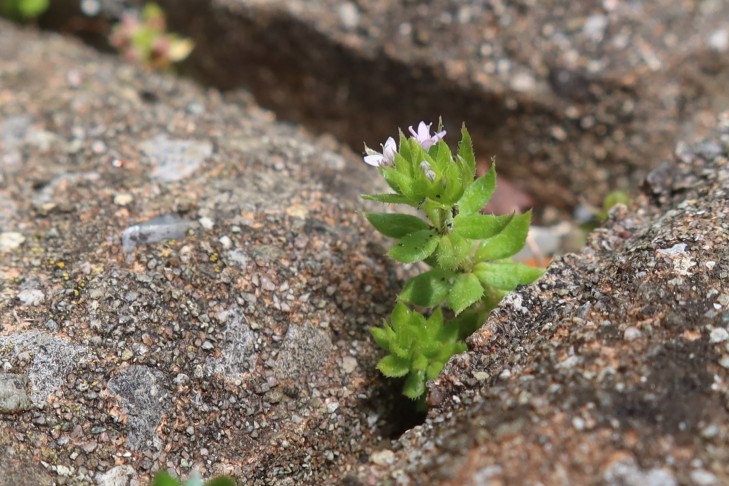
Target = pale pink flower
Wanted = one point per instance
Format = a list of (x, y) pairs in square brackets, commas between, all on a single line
[(423, 136), (387, 157)]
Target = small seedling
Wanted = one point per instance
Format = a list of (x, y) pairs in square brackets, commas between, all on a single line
[(23, 10), (600, 216), (469, 253), (146, 40)]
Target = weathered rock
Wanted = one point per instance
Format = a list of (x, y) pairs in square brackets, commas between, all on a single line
[(252, 324), (179, 323), (48, 360), (118, 476), (18, 466), (142, 393), (559, 388), (564, 94), (13, 397)]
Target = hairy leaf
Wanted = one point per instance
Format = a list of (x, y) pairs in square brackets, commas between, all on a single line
[(480, 226), (398, 181), (453, 250), (415, 246), (396, 225), (465, 151), (506, 275), (466, 291), (428, 289), (382, 336), (388, 198), (478, 194), (393, 366), (414, 385), (509, 241)]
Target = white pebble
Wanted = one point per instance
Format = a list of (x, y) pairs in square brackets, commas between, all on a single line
[(10, 240), (632, 333), (31, 297), (206, 223), (718, 335), (226, 242), (383, 458)]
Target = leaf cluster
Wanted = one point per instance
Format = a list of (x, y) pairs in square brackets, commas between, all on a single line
[(469, 253), (418, 347), (147, 40)]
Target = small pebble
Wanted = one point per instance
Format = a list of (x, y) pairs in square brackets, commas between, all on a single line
[(9, 240), (349, 364), (702, 477), (632, 333), (718, 335), (206, 223), (383, 457), (123, 198), (226, 242), (31, 297)]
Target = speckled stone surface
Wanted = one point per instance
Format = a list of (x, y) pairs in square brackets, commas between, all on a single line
[(230, 334), (585, 96), (612, 369), (215, 317)]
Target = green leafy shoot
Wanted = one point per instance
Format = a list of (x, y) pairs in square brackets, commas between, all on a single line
[(146, 41), (469, 252)]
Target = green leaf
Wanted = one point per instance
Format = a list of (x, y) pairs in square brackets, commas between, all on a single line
[(393, 366), (163, 478), (382, 337), (467, 290), (478, 194), (404, 146), (398, 181), (506, 275), (221, 481), (509, 241), (443, 157), (427, 289), (414, 385), (388, 198), (434, 325), (434, 370), (480, 226), (396, 225), (400, 316), (415, 246), (420, 363), (465, 151), (453, 250), (453, 187)]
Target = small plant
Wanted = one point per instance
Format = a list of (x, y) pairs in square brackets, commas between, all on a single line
[(468, 252), (23, 10), (162, 478), (147, 41), (601, 215)]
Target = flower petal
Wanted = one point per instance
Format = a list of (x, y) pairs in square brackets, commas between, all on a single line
[(374, 160)]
